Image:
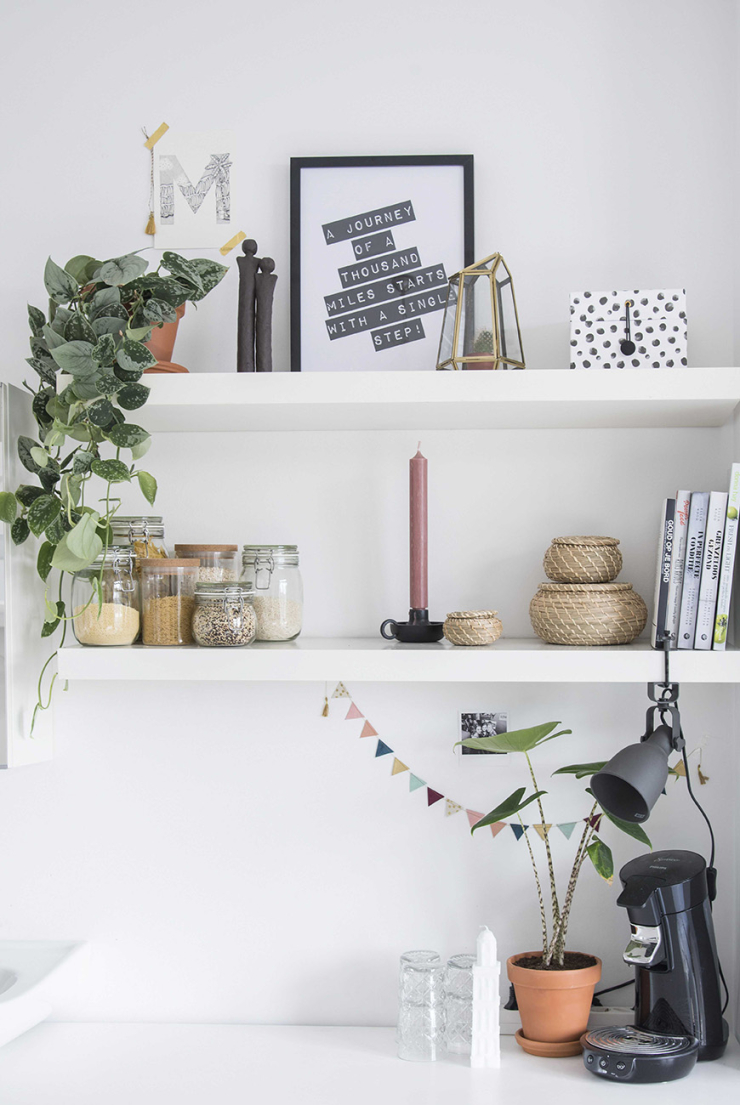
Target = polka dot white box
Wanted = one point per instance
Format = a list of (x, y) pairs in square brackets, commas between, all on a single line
[(628, 329)]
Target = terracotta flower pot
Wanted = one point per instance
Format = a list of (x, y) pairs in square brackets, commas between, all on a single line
[(554, 1005), (162, 345)]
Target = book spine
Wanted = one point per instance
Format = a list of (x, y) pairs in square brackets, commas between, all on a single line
[(727, 571), (692, 572), (663, 573), (710, 569), (678, 561)]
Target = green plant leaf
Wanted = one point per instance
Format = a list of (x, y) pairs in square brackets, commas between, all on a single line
[(79, 547), (120, 270), (100, 412), (79, 432), (159, 310), (107, 383), (42, 513), (508, 808), (40, 456), (173, 292), (46, 370), (108, 324), (86, 388), (211, 273), (112, 471), (104, 350), (132, 396), (601, 856), (39, 406), (62, 315), (43, 560), (77, 328), (19, 531), (25, 445), (139, 333), (48, 478), (133, 356), (52, 338), (26, 494), (49, 626), (183, 269), (82, 462), (102, 302), (141, 449), (58, 283), (75, 357), (81, 268), (128, 376), (55, 532), (126, 435), (148, 486), (519, 740), (36, 320), (8, 506), (581, 770)]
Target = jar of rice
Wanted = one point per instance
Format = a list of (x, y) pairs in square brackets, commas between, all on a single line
[(272, 572), (218, 563)]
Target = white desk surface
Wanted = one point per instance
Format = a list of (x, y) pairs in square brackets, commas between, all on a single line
[(164, 1064)]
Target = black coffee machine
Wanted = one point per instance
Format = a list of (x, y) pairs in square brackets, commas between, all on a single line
[(678, 1006)]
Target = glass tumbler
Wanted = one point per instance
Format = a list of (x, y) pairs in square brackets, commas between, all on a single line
[(458, 1004), (420, 1015)]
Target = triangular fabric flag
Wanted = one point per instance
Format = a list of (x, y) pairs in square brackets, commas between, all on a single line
[(566, 828), (595, 821), (398, 767), (367, 730), (497, 827), (383, 749), (518, 831), (541, 830), (433, 796), (353, 712), (415, 782), (474, 817), (451, 807), (340, 691)]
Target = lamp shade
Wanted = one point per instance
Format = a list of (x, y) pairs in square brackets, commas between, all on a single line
[(631, 783)]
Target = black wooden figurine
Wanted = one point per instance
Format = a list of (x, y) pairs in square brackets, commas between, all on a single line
[(245, 321), (265, 282)]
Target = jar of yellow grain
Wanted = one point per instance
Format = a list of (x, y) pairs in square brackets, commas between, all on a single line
[(167, 600), (144, 534), (105, 600)]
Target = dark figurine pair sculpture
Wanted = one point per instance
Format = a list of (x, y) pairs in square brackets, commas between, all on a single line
[(256, 293)]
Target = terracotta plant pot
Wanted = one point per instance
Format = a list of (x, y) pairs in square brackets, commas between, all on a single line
[(162, 345), (554, 1005)]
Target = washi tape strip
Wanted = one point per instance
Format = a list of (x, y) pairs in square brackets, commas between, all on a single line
[(228, 246), (154, 138)]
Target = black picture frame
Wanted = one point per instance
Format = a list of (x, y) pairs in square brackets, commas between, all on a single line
[(299, 165)]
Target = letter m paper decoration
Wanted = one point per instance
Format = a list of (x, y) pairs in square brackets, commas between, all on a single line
[(194, 184)]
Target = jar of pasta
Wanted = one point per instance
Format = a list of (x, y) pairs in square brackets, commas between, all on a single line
[(218, 563), (167, 600), (143, 533)]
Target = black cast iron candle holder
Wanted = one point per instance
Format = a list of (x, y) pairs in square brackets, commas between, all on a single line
[(418, 630)]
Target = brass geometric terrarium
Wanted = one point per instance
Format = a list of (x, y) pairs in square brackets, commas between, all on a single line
[(480, 328)]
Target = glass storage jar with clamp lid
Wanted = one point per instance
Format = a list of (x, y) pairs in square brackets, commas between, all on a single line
[(273, 573), (217, 562), (105, 600), (223, 614), (144, 534)]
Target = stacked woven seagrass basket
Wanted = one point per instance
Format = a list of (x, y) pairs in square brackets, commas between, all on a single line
[(583, 605)]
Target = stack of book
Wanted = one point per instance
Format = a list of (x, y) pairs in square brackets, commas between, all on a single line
[(696, 564)]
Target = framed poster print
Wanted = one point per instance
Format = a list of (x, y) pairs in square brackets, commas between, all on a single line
[(373, 243)]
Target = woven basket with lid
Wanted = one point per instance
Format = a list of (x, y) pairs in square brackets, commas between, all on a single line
[(587, 613), (583, 560), (472, 627)]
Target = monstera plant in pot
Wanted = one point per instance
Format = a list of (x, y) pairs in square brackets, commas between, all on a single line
[(554, 987), (88, 351)]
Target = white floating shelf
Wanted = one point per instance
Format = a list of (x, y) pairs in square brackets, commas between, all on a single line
[(558, 398), (372, 660)]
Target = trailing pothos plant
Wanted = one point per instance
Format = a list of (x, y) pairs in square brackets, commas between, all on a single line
[(100, 315), (590, 846)]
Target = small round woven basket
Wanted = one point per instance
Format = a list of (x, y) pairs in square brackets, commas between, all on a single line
[(583, 560), (472, 627), (587, 613)]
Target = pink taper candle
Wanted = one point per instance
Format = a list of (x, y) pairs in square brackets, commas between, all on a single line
[(418, 530)]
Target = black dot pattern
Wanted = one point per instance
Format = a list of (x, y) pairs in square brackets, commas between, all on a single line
[(598, 327)]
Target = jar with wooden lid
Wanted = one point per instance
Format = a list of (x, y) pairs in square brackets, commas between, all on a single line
[(273, 573), (105, 600), (143, 533), (583, 560), (223, 615), (217, 562), (167, 600)]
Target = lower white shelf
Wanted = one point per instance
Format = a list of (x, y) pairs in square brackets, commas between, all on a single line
[(233, 1064), (371, 660)]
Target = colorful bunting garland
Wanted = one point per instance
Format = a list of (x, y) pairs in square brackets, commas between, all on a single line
[(433, 796)]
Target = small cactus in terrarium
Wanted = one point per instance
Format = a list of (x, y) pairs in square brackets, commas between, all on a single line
[(483, 342)]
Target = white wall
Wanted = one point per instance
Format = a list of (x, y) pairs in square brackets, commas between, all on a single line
[(230, 854)]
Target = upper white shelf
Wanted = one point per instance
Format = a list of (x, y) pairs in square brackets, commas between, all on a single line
[(372, 659), (558, 398)]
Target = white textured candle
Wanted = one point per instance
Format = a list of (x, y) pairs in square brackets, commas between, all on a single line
[(486, 1048)]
